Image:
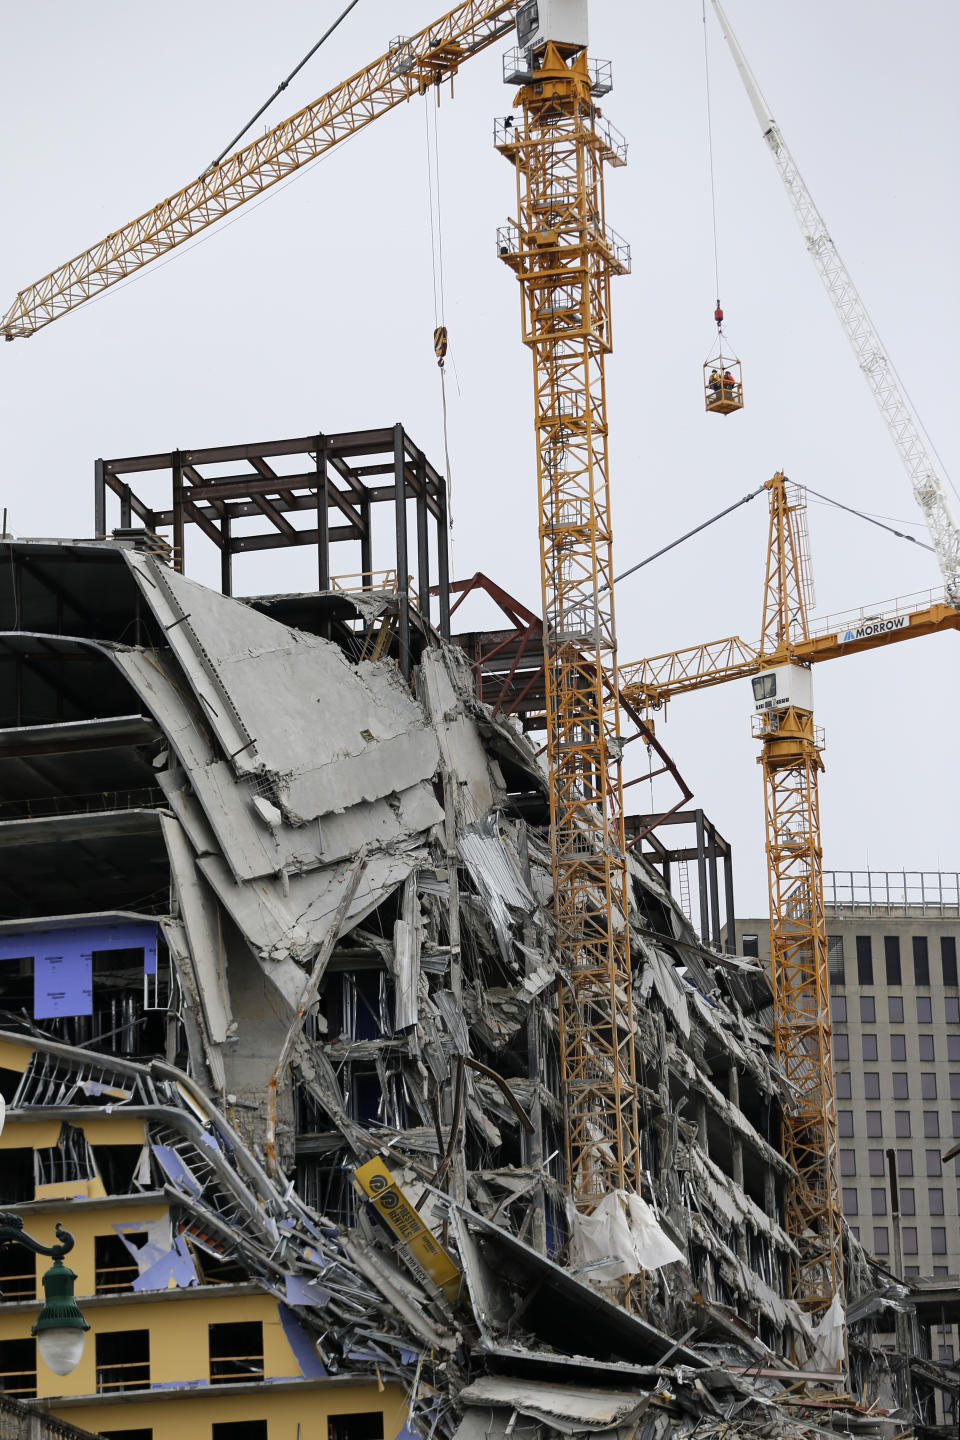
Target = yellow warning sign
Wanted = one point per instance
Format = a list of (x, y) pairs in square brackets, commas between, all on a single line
[(428, 1255)]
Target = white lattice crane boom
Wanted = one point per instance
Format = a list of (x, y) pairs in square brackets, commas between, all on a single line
[(905, 430)]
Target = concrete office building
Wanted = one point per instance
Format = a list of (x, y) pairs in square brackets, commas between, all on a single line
[(893, 940)]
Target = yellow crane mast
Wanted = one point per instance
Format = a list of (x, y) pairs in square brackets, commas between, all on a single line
[(791, 761), (564, 256)]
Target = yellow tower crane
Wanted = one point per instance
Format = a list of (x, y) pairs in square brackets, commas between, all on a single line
[(791, 761), (564, 255)]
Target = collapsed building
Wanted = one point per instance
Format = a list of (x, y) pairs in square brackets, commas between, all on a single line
[(279, 1036)]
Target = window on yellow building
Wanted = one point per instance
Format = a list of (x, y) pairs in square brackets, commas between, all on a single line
[(236, 1352), (123, 1361), (114, 1266), (18, 1368), (126, 1434), (240, 1430), (18, 1272), (367, 1425)]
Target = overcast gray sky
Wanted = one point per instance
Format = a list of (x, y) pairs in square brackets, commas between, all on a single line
[(314, 311)]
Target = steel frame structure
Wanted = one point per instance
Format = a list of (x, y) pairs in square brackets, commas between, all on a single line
[(708, 848), (564, 257), (260, 506)]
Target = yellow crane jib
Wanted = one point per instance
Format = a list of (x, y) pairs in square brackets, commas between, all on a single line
[(424, 1253), (410, 64)]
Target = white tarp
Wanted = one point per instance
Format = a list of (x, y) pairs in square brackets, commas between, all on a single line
[(621, 1236), (828, 1336)]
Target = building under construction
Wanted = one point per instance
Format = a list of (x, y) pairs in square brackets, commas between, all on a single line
[(349, 1018), (280, 1022)]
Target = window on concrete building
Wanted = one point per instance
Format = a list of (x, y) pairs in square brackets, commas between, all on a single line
[(898, 1047), (909, 1239), (911, 1271), (875, 1124), (921, 961), (948, 959), (851, 1203), (236, 1352), (869, 1047), (841, 1047), (908, 1200), (123, 1360), (924, 1010), (935, 1200), (842, 1083), (955, 1085), (18, 1375), (953, 1051), (895, 1009), (864, 960), (750, 946), (871, 1084), (848, 1162), (955, 1119), (951, 1009), (881, 1240), (838, 1009), (938, 1239), (902, 1124), (368, 1425), (931, 1124), (114, 1266), (934, 1168), (835, 963), (876, 1165), (855, 1231), (926, 1046), (240, 1430), (891, 958), (845, 1124), (904, 1162), (901, 1086), (868, 1010), (878, 1201), (928, 1085)]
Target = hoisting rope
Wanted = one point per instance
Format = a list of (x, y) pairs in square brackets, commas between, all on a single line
[(439, 304), (280, 88), (718, 313), (860, 514), (674, 543)]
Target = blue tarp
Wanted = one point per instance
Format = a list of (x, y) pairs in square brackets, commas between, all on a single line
[(63, 961)]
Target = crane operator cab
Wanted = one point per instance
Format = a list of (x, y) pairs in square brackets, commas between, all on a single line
[(722, 385)]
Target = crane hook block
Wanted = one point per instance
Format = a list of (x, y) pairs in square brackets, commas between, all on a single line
[(722, 385), (718, 314), (440, 344)]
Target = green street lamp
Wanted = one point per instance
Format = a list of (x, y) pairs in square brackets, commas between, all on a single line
[(60, 1327)]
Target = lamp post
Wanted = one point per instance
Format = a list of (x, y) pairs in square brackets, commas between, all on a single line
[(60, 1326)]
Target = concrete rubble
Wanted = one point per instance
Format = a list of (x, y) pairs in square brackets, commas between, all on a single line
[(277, 766)]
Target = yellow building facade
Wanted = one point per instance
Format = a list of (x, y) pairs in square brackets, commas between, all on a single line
[(181, 1347)]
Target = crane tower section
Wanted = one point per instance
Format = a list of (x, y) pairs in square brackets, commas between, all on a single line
[(791, 763), (564, 256)]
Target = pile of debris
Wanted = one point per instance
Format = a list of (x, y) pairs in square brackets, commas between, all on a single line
[(358, 1103)]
